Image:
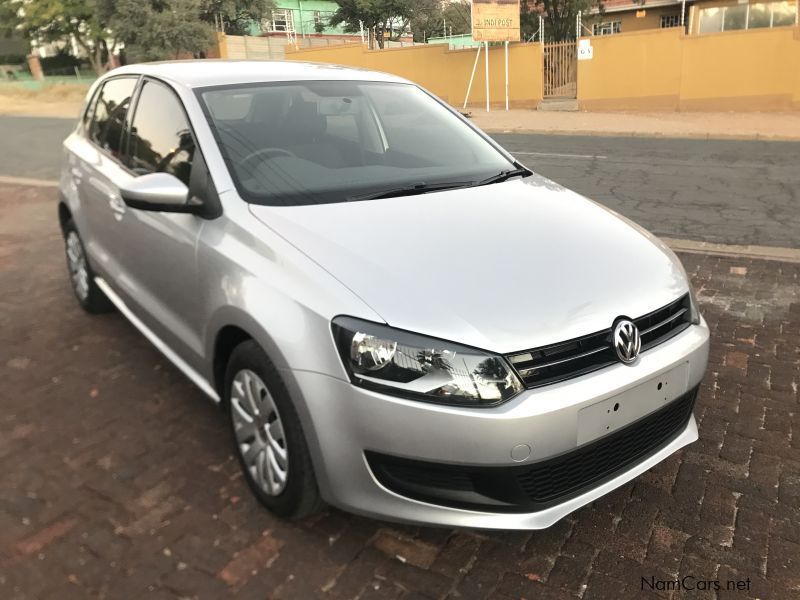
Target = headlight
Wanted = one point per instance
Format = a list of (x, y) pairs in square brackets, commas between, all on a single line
[(405, 364), (694, 310)]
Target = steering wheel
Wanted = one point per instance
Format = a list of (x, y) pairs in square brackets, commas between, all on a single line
[(265, 153)]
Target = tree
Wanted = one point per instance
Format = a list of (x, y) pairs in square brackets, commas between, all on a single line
[(84, 21), (434, 18), (148, 29), (377, 16), (427, 19), (160, 29), (235, 17), (560, 17), (457, 17)]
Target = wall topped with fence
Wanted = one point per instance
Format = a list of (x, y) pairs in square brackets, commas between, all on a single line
[(447, 72), (273, 47), (663, 69)]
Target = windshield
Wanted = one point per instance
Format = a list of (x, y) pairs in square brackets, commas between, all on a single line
[(315, 142)]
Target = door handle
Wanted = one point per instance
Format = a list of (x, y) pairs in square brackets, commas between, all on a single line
[(76, 173)]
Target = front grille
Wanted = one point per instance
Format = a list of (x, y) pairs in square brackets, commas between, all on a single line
[(565, 360), (537, 486)]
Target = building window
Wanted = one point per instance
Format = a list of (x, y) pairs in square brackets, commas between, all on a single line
[(747, 16), (670, 21), (735, 17), (282, 20), (607, 28)]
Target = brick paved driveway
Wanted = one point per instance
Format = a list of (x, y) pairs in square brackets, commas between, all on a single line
[(117, 479)]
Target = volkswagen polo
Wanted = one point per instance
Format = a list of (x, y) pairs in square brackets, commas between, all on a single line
[(398, 317)]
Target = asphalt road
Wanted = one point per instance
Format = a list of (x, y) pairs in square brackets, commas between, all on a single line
[(725, 191)]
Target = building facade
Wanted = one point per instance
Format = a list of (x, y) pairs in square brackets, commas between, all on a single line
[(698, 17), (301, 18)]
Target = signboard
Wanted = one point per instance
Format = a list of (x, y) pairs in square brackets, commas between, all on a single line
[(585, 50), (495, 20)]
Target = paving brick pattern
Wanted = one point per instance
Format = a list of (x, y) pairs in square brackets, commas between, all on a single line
[(117, 478)]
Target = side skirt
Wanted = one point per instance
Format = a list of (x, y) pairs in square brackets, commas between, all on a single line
[(176, 360)]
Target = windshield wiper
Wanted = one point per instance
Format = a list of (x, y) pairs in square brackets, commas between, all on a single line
[(409, 190), (504, 176)]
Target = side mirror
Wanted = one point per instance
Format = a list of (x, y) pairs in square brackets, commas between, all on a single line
[(160, 192)]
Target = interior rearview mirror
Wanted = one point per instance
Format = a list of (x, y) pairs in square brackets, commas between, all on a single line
[(158, 192)]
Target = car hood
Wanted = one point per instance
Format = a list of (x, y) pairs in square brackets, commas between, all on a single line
[(503, 267)]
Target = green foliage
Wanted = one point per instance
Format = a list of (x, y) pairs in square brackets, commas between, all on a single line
[(161, 29), (51, 20), (379, 16), (61, 60), (147, 29), (12, 59), (559, 17), (235, 17), (427, 19), (457, 16), (431, 17)]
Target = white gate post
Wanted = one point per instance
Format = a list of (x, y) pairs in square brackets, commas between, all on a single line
[(506, 76), (471, 77), (487, 76)]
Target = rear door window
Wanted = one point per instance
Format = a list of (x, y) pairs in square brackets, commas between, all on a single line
[(110, 109)]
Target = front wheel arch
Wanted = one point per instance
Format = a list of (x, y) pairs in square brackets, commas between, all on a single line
[(64, 215), (227, 339)]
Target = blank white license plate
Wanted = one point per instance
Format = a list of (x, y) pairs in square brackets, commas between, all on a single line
[(606, 416)]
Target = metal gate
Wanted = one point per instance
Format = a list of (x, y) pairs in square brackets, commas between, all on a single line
[(561, 69)]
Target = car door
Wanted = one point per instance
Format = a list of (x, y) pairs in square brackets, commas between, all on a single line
[(159, 278), (97, 170)]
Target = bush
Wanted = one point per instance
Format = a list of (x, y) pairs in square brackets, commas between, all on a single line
[(61, 61), (13, 59)]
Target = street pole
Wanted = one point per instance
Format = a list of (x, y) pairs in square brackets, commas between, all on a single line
[(302, 25), (487, 76), (506, 75), (472, 77)]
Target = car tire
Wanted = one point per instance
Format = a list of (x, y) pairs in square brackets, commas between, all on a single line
[(89, 295), (271, 448)]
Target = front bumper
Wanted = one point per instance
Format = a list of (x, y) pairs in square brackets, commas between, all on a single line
[(344, 422)]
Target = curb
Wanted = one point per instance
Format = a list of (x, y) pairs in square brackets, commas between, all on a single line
[(8, 180), (775, 253), (756, 137)]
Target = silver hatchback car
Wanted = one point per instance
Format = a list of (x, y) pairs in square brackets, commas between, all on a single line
[(399, 318)]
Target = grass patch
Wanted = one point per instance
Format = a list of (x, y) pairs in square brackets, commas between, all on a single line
[(50, 93)]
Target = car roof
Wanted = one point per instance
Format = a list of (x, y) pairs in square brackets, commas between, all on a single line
[(211, 72)]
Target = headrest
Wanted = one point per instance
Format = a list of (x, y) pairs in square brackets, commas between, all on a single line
[(303, 123)]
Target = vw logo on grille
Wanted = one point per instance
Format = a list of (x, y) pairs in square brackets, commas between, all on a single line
[(627, 341)]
